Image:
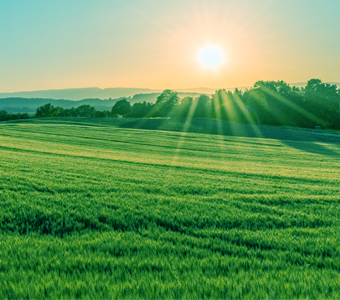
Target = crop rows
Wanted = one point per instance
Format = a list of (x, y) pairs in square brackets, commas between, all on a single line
[(103, 212)]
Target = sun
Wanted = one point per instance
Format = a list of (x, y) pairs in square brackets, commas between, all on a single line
[(211, 56)]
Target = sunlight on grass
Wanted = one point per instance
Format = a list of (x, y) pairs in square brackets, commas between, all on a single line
[(171, 214)]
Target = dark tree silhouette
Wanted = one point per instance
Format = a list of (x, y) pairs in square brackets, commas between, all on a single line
[(141, 110), (182, 108), (323, 99), (4, 115), (165, 103), (201, 104), (46, 110), (269, 102), (85, 110), (121, 107)]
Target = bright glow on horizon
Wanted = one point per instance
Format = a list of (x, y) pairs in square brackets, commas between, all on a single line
[(211, 56), (158, 44)]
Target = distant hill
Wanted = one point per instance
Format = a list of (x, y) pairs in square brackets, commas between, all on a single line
[(79, 94), (115, 93), (101, 99), (200, 90), (31, 104), (18, 104), (97, 93)]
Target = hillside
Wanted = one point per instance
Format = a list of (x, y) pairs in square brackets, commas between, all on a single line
[(14, 105), (97, 210), (90, 93), (115, 93), (30, 105), (80, 93), (101, 99)]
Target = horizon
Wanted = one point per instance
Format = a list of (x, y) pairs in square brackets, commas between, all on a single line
[(152, 90), (197, 43)]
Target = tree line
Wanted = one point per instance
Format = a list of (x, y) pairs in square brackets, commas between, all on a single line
[(5, 116), (267, 102)]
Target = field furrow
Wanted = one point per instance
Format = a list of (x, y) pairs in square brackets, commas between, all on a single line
[(105, 212)]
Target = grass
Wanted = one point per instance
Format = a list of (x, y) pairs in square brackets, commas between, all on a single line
[(100, 210)]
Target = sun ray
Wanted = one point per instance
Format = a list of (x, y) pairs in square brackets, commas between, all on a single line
[(184, 131), (247, 115), (294, 106), (181, 140), (226, 107), (218, 120)]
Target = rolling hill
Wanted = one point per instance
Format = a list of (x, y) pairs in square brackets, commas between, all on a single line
[(18, 104), (80, 93)]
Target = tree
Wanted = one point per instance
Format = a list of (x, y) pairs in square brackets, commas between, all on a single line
[(201, 106), (85, 110), (257, 105), (182, 108), (323, 100), (4, 116), (101, 114), (121, 107), (47, 110), (279, 86), (276, 103), (228, 105), (23, 115), (165, 103), (140, 110), (220, 104)]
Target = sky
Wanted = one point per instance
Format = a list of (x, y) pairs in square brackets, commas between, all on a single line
[(46, 44)]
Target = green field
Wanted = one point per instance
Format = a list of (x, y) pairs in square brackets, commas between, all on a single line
[(98, 210)]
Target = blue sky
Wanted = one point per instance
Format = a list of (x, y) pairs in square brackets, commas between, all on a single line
[(49, 44)]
